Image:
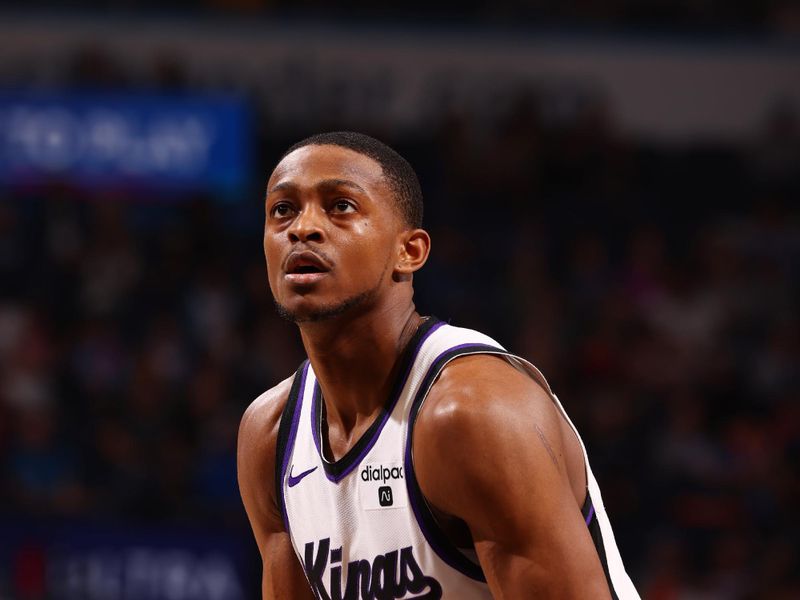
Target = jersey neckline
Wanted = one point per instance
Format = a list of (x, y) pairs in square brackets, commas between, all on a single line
[(337, 470)]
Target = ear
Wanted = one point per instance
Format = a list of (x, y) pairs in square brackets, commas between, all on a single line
[(415, 245)]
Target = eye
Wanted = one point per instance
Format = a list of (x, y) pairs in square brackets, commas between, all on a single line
[(281, 209), (342, 205)]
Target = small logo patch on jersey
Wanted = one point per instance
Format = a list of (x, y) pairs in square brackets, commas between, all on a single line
[(385, 495), (382, 486), (295, 479)]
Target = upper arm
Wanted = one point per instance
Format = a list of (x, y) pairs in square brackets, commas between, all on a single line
[(283, 575), (488, 449)]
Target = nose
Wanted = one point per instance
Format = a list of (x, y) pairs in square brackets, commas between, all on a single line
[(307, 226)]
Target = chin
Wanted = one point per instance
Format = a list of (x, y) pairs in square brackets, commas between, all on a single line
[(306, 311)]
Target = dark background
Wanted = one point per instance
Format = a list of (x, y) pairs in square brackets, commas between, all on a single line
[(646, 261)]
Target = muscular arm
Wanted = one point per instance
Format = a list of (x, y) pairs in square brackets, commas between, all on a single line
[(490, 449), (283, 576)]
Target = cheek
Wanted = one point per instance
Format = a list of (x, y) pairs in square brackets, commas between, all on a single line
[(271, 256), (371, 252)]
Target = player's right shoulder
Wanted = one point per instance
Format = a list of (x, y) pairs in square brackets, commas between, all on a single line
[(261, 420), (256, 459)]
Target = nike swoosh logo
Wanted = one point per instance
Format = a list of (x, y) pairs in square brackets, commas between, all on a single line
[(294, 480)]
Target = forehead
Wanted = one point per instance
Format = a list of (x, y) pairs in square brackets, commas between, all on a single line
[(309, 165)]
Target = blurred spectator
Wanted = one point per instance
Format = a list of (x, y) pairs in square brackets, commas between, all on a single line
[(129, 347)]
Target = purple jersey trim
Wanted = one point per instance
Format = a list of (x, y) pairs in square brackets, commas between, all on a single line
[(287, 453), (590, 515), (398, 390)]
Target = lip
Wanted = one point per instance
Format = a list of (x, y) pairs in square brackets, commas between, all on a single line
[(306, 258), (304, 278)]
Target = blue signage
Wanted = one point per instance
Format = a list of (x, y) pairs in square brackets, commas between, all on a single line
[(87, 561), (155, 142)]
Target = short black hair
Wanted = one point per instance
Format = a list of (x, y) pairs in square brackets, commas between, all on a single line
[(399, 173)]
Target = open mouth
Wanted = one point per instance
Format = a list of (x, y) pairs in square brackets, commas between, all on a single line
[(305, 267)]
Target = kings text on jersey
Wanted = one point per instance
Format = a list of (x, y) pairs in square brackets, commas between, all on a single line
[(389, 576)]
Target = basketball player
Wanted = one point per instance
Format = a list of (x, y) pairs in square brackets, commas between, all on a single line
[(406, 458)]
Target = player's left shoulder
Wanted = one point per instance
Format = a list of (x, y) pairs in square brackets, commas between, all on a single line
[(475, 430), (479, 391)]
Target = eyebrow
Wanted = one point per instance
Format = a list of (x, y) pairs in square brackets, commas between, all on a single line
[(324, 185)]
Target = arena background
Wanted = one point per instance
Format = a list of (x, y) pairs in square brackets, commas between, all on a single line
[(612, 191)]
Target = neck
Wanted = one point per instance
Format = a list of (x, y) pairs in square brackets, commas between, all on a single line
[(355, 360)]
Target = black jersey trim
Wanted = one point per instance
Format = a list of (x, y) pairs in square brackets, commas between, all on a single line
[(338, 470), (434, 535), (590, 516), (587, 510), (287, 431)]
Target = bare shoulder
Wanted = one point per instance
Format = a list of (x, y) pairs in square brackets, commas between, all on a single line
[(483, 390), (484, 421), (255, 456), (492, 449), (259, 425)]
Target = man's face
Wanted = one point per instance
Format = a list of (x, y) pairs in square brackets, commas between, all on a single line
[(330, 234)]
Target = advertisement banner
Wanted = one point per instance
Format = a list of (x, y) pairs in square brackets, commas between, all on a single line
[(168, 143), (79, 560)]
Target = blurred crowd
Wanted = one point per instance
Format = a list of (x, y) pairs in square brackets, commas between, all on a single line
[(655, 287), (772, 16)]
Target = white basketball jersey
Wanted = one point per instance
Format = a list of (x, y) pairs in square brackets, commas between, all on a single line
[(360, 526)]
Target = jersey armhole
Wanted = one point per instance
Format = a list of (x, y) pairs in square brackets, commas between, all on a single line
[(287, 431), (436, 538)]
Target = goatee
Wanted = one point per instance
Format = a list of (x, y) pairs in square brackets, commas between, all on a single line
[(331, 311)]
